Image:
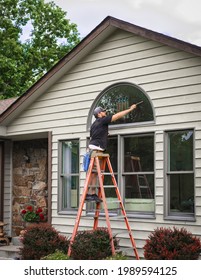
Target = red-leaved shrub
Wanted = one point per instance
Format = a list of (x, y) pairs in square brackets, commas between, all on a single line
[(92, 245), (40, 240), (172, 244)]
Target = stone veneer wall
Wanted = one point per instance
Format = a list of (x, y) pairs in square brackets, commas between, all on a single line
[(29, 179)]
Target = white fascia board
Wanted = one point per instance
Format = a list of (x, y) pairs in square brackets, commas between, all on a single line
[(2, 130)]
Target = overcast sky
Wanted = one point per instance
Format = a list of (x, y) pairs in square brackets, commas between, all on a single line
[(177, 18)]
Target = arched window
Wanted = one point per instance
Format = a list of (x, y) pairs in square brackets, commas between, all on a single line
[(121, 96)]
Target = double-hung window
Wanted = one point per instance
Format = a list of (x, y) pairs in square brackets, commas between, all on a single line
[(69, 175), (180, 173), (138, 166)]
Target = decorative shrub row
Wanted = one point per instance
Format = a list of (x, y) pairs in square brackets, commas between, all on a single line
[(42, 241)]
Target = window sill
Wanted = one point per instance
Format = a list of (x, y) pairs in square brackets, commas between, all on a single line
[(180, 218)]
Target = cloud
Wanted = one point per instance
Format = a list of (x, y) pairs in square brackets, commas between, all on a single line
[(180, 19), (189, 11)]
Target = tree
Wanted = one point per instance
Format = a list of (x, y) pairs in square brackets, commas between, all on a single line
[(52, 36)]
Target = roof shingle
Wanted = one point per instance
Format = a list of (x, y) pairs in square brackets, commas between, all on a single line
[(4, 104)]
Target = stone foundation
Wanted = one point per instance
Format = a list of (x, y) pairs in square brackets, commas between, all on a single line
[(29, 179)]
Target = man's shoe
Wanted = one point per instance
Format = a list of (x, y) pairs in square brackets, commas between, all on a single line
[(93, 197), (96, 198), (89, 197)]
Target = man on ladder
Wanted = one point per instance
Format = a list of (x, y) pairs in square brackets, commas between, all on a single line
[(99, 138), (99, 160)]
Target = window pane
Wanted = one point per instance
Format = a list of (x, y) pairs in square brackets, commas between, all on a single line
[(139, 154), (182, 193), (181, 151), (70, 154), (139, 193), (112, 151), (120, 97), (70, 191), (70, 174)]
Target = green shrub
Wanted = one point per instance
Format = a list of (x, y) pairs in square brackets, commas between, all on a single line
[(40, 240), (57, 255), (92, 245), (172, 244), (117, 256)]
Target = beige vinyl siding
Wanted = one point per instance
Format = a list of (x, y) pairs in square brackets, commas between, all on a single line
[(172, 80)]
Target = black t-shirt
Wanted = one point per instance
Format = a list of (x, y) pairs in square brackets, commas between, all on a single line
[(99, 132)]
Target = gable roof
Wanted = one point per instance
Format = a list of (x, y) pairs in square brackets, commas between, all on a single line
[(95, 37)]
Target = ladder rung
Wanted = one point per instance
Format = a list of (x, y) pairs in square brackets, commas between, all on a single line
[(102, 213), (117, 208), (109, 186), (92, 210), (107, 173), (105, 187)]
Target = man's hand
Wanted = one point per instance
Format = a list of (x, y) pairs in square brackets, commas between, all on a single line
[(132, 107)]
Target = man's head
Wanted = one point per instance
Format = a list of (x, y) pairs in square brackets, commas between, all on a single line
[(98, 112)]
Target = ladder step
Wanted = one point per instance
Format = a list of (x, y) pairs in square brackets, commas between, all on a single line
[(101, 211), (105, 187), (96, 154), (107, 173)]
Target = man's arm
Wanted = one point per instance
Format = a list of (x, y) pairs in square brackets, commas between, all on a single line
[(121, 114)]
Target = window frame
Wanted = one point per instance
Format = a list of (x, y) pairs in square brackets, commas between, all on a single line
[(168, 214), (61, 175)]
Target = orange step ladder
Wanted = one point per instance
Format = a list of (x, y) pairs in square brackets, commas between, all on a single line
[(95, 160)]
